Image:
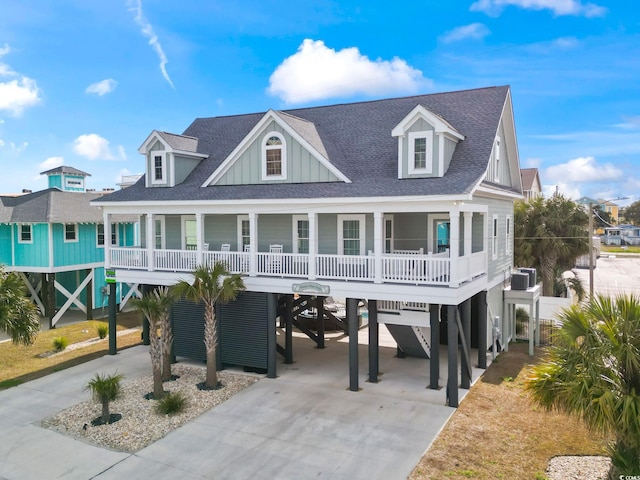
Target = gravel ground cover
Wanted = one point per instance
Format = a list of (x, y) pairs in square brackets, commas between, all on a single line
[(574, 467), (140, 425)]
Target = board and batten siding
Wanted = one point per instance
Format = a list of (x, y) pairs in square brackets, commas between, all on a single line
[(504, 173), (419, 125), (504, 260), (82, 251), (183, 167), (36, 253), (302, 167), (5, 244)]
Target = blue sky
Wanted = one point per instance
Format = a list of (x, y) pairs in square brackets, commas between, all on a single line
[(82, 83)]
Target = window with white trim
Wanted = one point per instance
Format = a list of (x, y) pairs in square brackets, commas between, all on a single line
[(420, 152), (508, 234), (496, 160), (158, 168), (100, 234), (158, 232), (494, 244), (351, 234), (26, 233), (300, 234), (70, 232), (388, 233), (274, 157), (244, 232), (115, 234)]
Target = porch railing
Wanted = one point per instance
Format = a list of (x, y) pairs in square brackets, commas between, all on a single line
[(414, 269)]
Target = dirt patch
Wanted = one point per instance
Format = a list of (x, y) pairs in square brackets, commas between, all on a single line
[(497, 432)]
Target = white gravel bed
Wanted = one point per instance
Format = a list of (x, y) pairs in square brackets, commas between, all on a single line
[(574, 467), (140, 425)]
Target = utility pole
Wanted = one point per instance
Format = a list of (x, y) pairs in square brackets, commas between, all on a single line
[(590, 250)]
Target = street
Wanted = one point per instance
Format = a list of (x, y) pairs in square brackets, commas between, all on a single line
[(613, 275)]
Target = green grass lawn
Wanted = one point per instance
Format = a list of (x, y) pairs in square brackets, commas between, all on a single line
[(616, 249), (19, 364)]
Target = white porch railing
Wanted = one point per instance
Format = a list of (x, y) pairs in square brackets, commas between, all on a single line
[(413, 269)]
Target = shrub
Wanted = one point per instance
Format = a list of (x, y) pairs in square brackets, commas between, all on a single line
[(105, 388), (60, 343), (171, 403), (103, 330)]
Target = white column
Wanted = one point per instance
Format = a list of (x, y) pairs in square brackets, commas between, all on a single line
[(378, 245), (253, 242), (106, 220), (199, 238), (467, 233), (454, 245), (313, 244), (151, 240)]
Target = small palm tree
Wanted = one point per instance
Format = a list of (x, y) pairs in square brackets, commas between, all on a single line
[(211, 284), (593, 371), (155, 306), (18, 316), (105, 389)]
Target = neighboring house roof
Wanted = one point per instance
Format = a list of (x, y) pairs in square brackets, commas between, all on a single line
[(530, 178), (358, 142), (65, 169), (54, 206)]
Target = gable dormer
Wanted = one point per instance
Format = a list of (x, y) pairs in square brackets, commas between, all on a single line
[(426, 143), (280, 148), (169, 158)]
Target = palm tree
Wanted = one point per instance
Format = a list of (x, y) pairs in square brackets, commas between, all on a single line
[(18, 316), (550, 234), (105, 389), (593, 371), (155, 306), (211, 284)]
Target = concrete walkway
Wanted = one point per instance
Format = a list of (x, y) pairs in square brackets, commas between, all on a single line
[(304, 424)]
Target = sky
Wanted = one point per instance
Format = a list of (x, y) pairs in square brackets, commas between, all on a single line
[(83, 83)]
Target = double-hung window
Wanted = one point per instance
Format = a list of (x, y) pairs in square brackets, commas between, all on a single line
[(300, 234), (70, 232), (351, 234), (100, 234), (420, 152), (274, 157), (26, 233)]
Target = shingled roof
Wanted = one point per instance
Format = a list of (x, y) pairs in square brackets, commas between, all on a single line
[(54, 206), (64, 169), (357, 140)]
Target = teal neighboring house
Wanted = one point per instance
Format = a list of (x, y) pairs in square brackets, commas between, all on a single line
[(55, 240)]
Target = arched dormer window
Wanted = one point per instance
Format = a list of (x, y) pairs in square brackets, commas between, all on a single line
[(274, 157)]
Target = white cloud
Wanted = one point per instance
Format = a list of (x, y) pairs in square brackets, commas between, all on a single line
[(17, 92), (532, 162), (630, 123), (582, 169), (569, 191), (475, 31), (135, 6), (51, 162), (317, 72), (558, 7), (102, 87), (95, 147)]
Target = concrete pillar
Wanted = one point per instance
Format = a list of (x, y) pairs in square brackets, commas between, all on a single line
[(352, 319), (288, 332), (272, 306), (452, 357), (465, 314), (482, 329), (374, 341), (320, 321), (434, 352), (113, 348)]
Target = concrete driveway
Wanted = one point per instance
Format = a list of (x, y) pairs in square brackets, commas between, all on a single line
[(304, 424)]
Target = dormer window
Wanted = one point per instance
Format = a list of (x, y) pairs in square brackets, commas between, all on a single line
[(420, 152), (159, 169), (274, 157)]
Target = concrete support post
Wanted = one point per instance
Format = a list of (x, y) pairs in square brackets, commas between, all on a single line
[(146, 339), (272, 306), (374, 341), (113, 348), (465, 335), (288, 332), (352, 319), (482, 329), (452, 357), (320, 321), (434, 351)]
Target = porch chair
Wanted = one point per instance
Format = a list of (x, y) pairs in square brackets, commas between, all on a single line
[(225, 247), (275, 259)]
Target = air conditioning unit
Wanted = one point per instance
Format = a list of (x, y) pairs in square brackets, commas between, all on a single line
[(532, 275), (519, 281)]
